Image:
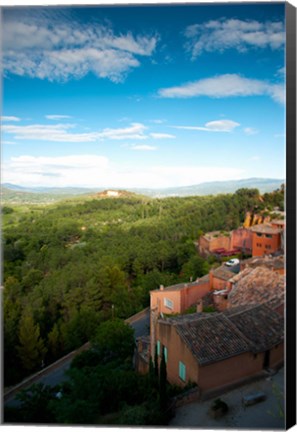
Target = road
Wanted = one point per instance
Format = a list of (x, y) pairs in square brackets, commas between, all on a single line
[(142, 325), (57, 374)]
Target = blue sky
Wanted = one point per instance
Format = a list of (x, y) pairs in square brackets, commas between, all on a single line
[(147, 96)]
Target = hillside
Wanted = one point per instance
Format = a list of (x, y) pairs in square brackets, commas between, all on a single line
[(70, 265), (23, 195)]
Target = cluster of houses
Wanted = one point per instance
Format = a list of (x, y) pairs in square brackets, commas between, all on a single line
[(258, 236), (228, 326)]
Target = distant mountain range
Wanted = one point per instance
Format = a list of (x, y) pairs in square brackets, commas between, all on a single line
[(215, 188), (23, 194)]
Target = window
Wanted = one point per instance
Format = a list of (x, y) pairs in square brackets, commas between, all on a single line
[(268, 236), (158, 347), (259, 245), (168, 303), (165, 354), (182, 371), (267, 246), (259, 235)]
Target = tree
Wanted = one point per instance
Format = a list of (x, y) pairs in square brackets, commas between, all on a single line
[(31, 347), (35, 403), (115, 340), (163, 382)]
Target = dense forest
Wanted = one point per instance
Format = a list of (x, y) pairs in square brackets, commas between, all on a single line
[(72, 265)]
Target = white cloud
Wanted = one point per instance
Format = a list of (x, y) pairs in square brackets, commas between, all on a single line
[(56, 51), (5, 142), (61, 133), (97, 171), (57, 133), (242, 35), (9, 118), (281, 135), (56, 171), (250, 131), (57, 117), (143, 147), (161, 135), (213, 126), (281, 71), (228, 85), (135, 131)]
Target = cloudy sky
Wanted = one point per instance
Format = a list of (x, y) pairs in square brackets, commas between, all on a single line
[(147, 96)]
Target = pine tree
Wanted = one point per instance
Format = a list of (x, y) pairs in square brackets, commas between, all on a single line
[(31, 349)]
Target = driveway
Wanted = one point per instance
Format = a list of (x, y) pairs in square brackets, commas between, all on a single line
[(264, 415)]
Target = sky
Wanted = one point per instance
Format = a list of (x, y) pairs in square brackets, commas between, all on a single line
[(142, 96)]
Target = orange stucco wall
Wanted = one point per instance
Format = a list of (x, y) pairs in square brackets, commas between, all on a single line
[(262, 245), (181, 299), (158, 297), (242, 238), (216, 283), (177, 351), (276, 356), (191, 295), (214, 243), (229, 371), (216, 375)]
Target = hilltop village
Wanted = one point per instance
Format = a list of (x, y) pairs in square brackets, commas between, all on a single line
[(226, 327)]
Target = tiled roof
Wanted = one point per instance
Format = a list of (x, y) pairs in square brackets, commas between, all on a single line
[(263, 327), (217, 336), (212, 338), (277, 262), (223, 272), (257, 286), (265, 229), (276, 302), (241, 275)]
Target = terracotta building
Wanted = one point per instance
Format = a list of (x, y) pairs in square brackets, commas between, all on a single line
[(178, 298), (219, 278), (218, 350), (242, 238), (175, 299), (266, 239), (214, 240)]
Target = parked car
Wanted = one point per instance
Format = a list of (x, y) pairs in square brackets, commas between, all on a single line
[(232, 262)]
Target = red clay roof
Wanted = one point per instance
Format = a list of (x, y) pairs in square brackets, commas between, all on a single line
[(260, 325), (277, 262), (212, 338), (222, 272), (256, 286), (217, 336)]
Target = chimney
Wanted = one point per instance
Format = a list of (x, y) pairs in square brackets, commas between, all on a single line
[(199, 306), (161, 287)]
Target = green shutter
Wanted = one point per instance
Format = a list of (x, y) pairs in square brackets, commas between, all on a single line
[(182, 371), (158, 347), (165, 354)]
